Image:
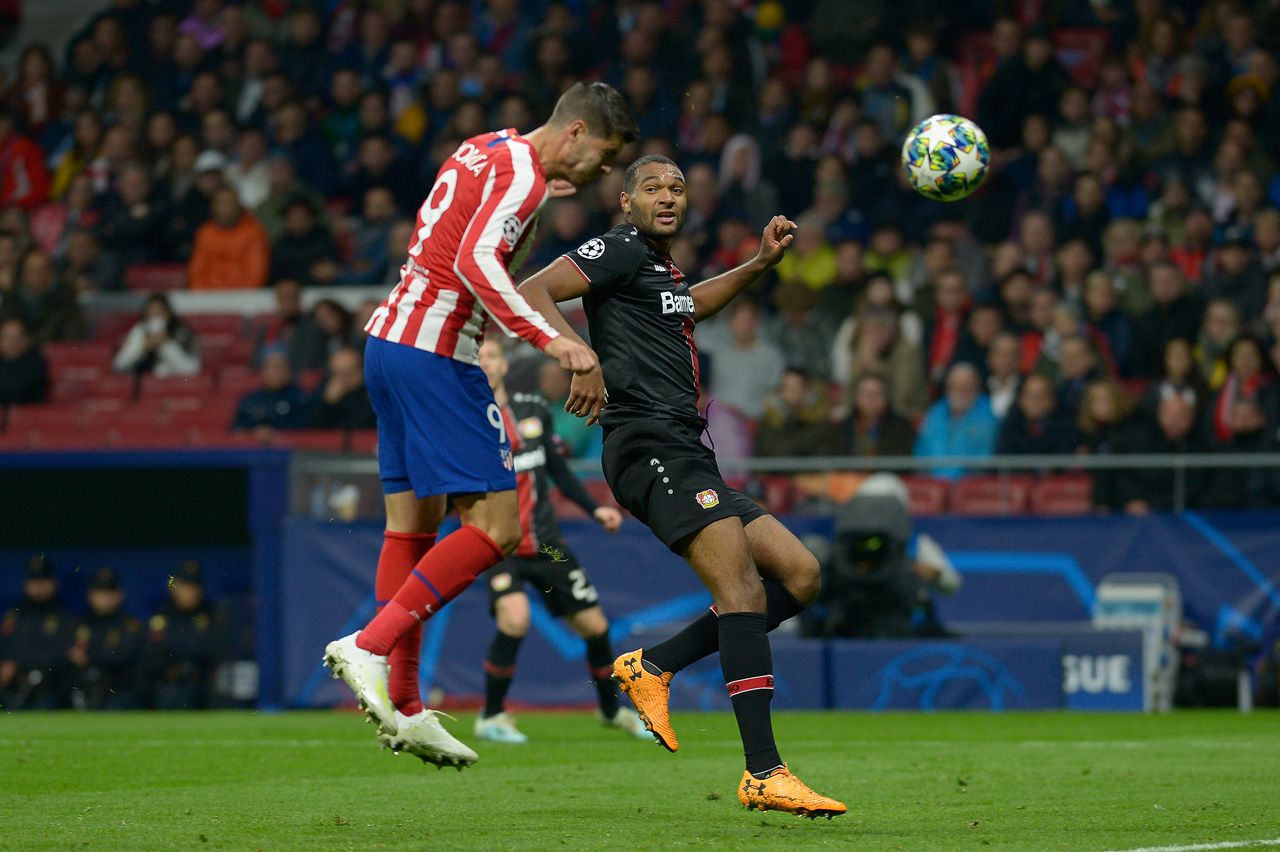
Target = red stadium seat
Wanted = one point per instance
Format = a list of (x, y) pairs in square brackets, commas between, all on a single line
[(231, 326), (63, 390), (152, 277), (320, 440), (48, 417), (779, 492), (134, 418), (119, 385), (88, 353), (926, 495), (53, 439), (237, 381), (125, 437), (363, 442), (1065, 494), (991, 495), (112, 327), (198, 385)]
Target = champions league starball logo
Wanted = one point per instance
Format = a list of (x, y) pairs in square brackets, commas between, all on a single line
[(592, 248), (511, 230)]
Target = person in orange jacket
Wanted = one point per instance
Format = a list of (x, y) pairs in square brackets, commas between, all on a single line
[(232, 250)]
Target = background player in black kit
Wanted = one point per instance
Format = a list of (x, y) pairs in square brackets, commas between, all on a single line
[(641, 314), (543, 560)]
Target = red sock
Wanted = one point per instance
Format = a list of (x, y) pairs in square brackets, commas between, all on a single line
[(400, 553), (440, 576)]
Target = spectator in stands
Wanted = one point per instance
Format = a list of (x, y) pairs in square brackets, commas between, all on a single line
[(184, 643), (24, 180), (337, 328), (85, 268), (50, 308), (1029, 82), (306, 250), (959, 424), (872, 427), (836, 300), (1003, 378), (1107, 323), (249, 175), (279, 403), (1248, 392), (373, 230), (1106, 421), (1034, 425), (1220, 326), (983, 324), (108, 651), (1077, 368), (1180, 377), (554, 384), (946, 322), (232, 251), (283, 187), (794, 422), (1138, 491), (293, 328), (378, 165), (878, 345), (24, 375), (799, 333), (134, 220), (745, 367), (35, 637), (343, 401), (1175, 315), (1238, 277), (159, 344), (191, 210), (305, 148)]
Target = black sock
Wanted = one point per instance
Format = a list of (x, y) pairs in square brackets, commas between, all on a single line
[(701, 637), (748, 672), (499, 669), (600, 661)]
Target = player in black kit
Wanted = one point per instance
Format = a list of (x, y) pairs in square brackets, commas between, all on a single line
[(641, 313), (543, 560)]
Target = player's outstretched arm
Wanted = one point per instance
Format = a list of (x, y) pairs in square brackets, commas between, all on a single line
[(711, 296), (560, 281)]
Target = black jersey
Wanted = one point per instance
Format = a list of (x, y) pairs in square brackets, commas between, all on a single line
[(537, 456), (640, 313)]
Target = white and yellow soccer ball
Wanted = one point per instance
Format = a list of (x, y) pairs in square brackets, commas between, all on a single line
[(946, 157)]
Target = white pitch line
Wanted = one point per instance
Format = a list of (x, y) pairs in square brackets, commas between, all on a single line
[(1204, 847)]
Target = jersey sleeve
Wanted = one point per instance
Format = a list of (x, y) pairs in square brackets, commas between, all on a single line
[(513, 195), (609, 260), (568, 483)]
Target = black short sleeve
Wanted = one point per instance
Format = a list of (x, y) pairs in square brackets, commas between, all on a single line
[(610, 259)]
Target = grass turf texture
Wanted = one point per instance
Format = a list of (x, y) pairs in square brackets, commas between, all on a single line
[(952, 781)]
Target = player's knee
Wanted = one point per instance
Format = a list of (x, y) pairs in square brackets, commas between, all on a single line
[(505, 533), (740, 592), (514, 625), (806, 582)]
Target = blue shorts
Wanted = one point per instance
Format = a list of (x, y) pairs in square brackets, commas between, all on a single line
[(439, 430)]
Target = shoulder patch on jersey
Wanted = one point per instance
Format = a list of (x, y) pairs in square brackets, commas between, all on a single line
[(511, 230), (530, 428), (592, 248)]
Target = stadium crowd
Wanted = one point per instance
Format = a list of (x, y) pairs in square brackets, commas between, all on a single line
[(1113, 287)]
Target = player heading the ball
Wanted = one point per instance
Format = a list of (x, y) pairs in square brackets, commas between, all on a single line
[(440, 433)]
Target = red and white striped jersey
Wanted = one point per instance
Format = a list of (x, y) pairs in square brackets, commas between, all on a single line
[(474, 230)]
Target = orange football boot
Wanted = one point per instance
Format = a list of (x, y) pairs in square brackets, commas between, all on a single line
[(650, 693), (782, 791)]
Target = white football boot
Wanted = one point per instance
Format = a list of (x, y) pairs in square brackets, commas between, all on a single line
[(500, 729), (628, 721), (366, 673), (422, 736)]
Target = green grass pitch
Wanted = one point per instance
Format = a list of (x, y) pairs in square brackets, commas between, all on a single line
[(948, 781)]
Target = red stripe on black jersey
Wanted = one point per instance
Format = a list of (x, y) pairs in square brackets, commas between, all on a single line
[(526, 492)]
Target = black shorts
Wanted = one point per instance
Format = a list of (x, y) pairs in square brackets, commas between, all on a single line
[(661, 473), (563, 584)]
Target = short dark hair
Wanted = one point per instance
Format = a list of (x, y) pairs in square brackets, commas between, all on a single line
[(602, 108), (633, 171)]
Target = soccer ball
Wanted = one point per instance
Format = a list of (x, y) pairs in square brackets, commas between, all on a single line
[(946, 157)]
